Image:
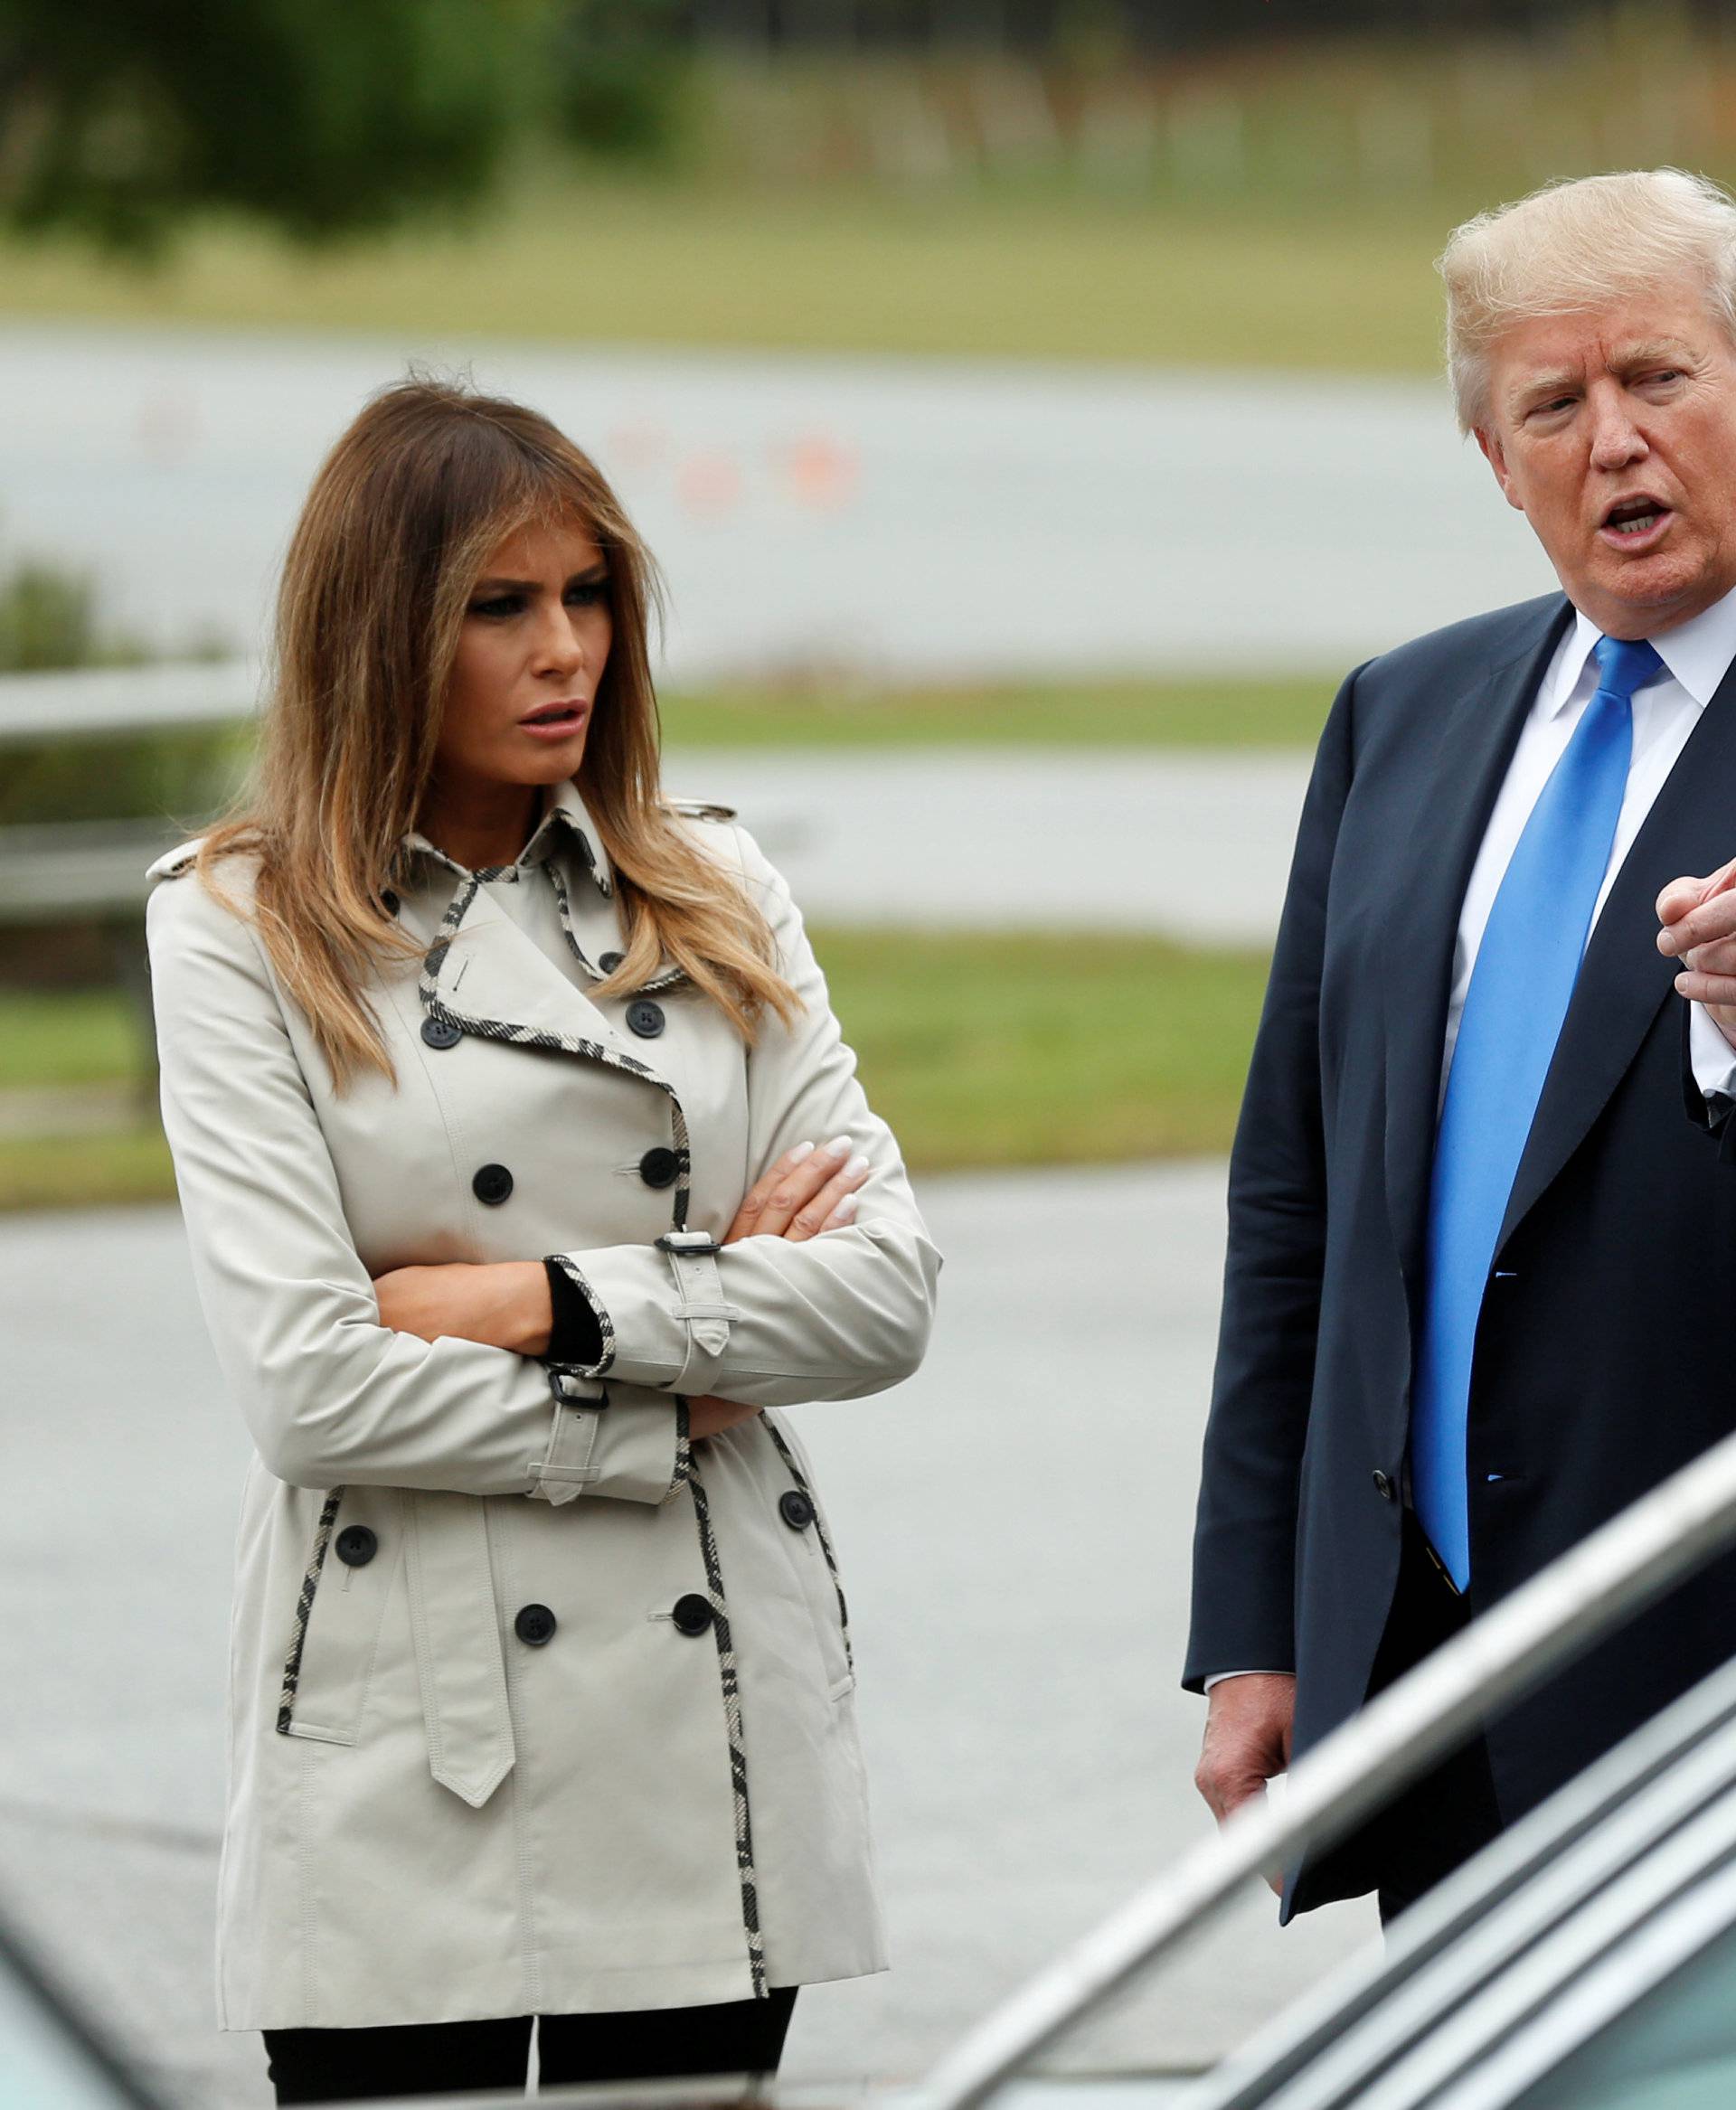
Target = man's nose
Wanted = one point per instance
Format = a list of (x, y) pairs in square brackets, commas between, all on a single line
[(1615, 439)]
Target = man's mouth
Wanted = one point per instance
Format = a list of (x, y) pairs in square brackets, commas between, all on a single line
[(1632, 518)]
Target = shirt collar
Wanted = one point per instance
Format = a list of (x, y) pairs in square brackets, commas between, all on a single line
[(1698, 655), (563, 819)]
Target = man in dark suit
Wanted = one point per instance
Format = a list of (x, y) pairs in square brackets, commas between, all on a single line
[(1483, 1195)]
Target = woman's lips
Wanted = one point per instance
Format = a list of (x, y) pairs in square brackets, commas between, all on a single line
[(556, 725)]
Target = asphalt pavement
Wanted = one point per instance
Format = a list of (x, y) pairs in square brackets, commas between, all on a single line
[(901, 517), (1014, 1524)]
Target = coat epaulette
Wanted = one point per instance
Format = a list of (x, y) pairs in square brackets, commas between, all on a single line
[(700, 809), (174, 863)]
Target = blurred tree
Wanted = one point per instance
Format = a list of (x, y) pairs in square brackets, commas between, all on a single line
[(623, 71), (322, 116), (48, 618)]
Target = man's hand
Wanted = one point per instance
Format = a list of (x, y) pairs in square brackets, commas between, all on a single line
[(503, 1303), (1248, 1723), (1699, 919)]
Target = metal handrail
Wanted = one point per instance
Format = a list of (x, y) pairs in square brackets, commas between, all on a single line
[(1605, 1578), (1536, 1876)]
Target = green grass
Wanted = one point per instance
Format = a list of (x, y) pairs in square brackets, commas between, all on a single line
[(1181, 712), (981, 1051), (101, 1170), (83, 1036), (1058, 1049), (992, 274)]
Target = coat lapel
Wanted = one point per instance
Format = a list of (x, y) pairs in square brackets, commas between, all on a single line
[(485, 975), (501, 987), (1459, 786), (1624, 978)]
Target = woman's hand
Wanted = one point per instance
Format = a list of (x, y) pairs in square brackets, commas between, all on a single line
[(503, 1303), (807, 1191)]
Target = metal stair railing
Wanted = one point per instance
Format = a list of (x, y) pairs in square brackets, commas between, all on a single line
[(1608, 1577)]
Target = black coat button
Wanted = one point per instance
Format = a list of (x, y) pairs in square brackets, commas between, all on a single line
[(795, 1510), (534, 1626), (440, 1033), (491, 1184), (391, 901), (693, 1613), (609, 961), (1383, 1485), (356, 1545), (659, 1167), (644, 1017)]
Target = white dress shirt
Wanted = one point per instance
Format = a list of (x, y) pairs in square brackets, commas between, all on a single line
[(1696, 656)]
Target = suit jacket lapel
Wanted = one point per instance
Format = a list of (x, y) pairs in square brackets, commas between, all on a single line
[(1458, 788), (1624, 978)]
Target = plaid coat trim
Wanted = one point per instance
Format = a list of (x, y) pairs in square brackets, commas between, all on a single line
[(737, 1745), (802, 1481), (304, 1608), (669, 978), (605, 1324), (491, 1029), (684, 1471)]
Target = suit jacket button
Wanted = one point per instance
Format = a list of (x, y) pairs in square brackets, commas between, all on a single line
[(491, 1184), (644, 1017), (1383, 1485), (357, 1546), (609, 961), (534, 1626), (796, 1508), (659, 1167), (440, 1033), (693, 1613)]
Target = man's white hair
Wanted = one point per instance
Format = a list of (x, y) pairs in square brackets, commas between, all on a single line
[(1579, 246)]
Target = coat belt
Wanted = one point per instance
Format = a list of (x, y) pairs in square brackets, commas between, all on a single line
[(457, 1636)]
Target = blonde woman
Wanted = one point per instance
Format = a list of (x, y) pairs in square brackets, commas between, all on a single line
[(525, 1174)]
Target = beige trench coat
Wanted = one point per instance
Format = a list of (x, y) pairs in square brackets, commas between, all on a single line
[(534, 1706)]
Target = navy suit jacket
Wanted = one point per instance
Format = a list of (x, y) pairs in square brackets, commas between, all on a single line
[(1604, 1355)]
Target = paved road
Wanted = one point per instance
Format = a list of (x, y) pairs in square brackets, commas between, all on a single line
[(906, 516), (1195, 845), (1014, 1524)]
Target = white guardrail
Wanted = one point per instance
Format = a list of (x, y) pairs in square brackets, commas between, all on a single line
[(54, 871), (88, 701)]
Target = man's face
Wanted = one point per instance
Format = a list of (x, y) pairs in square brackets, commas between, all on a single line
[(1614, 432)]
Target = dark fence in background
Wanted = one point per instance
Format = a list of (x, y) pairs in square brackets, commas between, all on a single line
[(1148, 28)]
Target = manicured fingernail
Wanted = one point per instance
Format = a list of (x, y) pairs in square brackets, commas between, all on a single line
[(838, 1147), (801, 1151), (857, 1166), (847, 1209)]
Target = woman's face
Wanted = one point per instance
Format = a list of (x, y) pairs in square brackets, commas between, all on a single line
[(531, 653)]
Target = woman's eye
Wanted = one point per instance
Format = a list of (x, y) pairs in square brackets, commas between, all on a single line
[(504, 604), (587, 595)]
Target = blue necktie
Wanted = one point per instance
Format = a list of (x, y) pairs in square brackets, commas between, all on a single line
[(1526, 967)]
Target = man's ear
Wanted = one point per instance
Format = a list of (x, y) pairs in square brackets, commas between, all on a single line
[(1495, 456)]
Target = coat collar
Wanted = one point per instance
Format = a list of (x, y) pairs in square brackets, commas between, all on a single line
[(563, 821)]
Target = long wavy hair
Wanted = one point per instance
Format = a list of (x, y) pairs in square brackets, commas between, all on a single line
[(401, 518)]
